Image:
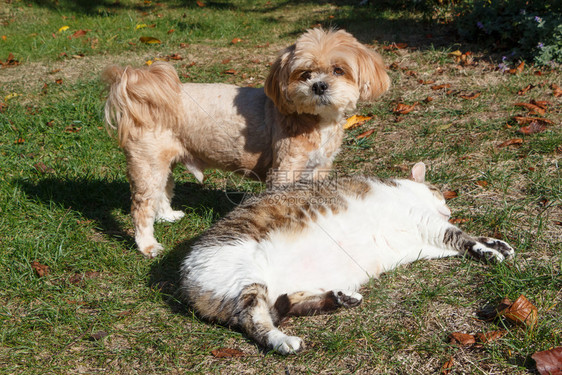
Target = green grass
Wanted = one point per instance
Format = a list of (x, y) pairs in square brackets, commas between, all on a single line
[(64, 196)]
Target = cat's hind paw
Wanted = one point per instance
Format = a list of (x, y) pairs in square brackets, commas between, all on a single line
[(284, 344), (348, 298), (499, 245), (481, 251)]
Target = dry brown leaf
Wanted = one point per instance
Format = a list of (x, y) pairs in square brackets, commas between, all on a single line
[(449, 194), (428, 82), (439, 87), (515, 141), (544, 104), (78, 33), (355, 121), (472, 96), (402, 109), (42, 168), (459, 220), (463, 339), (489, 336), (526, 89), (482, 183), (523, 120), (365, 134), (521, 312), (230, 71), (519, 68), (447, 366), (98, 335), (533, 128), (549, 362), (40, 269), (556, 90), (227, 353), (235, 40), (532, 108), (200, 3), (428, 99)]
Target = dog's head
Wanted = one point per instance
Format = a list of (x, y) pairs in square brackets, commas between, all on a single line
[(325, 73)]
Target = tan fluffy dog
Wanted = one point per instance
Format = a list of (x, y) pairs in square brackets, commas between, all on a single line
[(292, 126)]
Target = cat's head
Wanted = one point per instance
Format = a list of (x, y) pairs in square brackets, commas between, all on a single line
[(428, 192)]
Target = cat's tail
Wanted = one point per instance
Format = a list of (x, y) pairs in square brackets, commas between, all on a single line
[(141, 99)]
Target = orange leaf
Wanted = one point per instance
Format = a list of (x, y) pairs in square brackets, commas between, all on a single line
[(458, 220), (533, 128), (149, 40), (556, 90), (171, 31), (523, 120), (40, 269), (524, 90), (549, 362), (447, 366), (428, 82), (200, 3), (482, 183), (532, 108), (519, 68), (449, 194), (78, 33), (355, 121), (515, 141), (365, 134), (521, 312), (230, 71), (541, 103), (227, 353), (235, 40), (439, 87), (403, 109), (428, 99), (471, 96), (489, 336), (463, 339)]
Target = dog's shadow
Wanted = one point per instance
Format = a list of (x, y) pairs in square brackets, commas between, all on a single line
[(108, 203)]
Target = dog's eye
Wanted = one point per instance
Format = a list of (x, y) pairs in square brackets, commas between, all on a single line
[(338, 71), (305, 75)]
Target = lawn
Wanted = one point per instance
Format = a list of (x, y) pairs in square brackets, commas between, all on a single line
[(77, 297)]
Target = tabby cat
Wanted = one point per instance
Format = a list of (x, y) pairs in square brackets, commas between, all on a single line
[(308, 248)]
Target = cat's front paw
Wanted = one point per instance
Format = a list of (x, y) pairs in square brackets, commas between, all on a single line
[(284, 344), (501, 246), (347, 298)]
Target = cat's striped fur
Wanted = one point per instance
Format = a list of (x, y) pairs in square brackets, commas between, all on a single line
[(307, 249)]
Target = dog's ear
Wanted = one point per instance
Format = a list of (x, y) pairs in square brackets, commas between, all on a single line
[(418, 172), (277, 81), (372, 78)]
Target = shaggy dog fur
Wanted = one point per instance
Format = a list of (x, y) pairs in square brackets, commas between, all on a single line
[(289, 130)]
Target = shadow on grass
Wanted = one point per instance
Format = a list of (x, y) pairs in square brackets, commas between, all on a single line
[(98, 200)]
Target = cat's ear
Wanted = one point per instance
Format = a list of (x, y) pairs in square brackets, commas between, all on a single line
[(418, 172)]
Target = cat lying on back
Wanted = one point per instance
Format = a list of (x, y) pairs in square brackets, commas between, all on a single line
[(307, 250)]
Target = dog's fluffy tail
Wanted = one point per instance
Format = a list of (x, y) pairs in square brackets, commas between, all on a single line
[(142, 98)]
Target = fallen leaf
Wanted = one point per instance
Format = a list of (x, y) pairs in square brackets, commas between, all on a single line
[(515, 141), (235, 40), (533, 128), (98, 335), (449, 194), (148, 62), (544, 104), (403, 109), (472, 96), (63, 28), (365, 134), (175, 56), (200, 3), (518, 69), (456, 53), (184, 45), (482, 183), (439, 87), (227, 353), (225, 61), (521, 312), (428, 82), (19, 141), (140, 26), (355, 121), (447, 366), (526, 89), (458, 220), (78, 33), (3, 106), (487, 337), (4, 37), (230, 71), (40, 269), (58, 81), (42, 168), (171, 31), (463, 339), (532, 108), (72, 129), (549, 362), (523, 120), (149, 40), (556, 90), (428, 99)]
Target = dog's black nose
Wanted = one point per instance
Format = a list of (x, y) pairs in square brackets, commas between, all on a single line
[(319, 87)]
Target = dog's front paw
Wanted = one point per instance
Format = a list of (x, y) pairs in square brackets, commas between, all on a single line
[(170, 216), (284, 344), (499, 245), (150, 250), (348, 298)]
